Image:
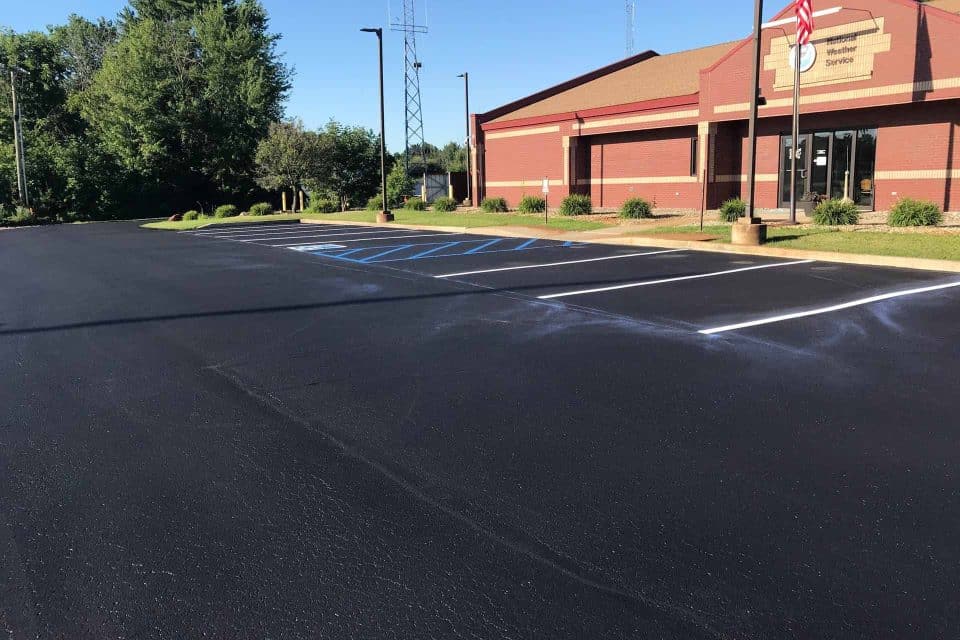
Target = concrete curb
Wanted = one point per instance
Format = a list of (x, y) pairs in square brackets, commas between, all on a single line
[(921, 264)]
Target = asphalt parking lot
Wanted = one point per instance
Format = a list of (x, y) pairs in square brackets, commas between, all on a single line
[(298, 431)]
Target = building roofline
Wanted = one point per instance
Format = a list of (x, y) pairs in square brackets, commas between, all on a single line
[(563, 86), (630, 107)]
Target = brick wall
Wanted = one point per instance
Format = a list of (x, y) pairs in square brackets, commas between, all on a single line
[(628, 165)]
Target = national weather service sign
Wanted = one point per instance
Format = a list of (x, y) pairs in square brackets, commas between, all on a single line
[(836, 55)]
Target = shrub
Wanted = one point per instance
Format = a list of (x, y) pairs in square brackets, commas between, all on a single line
[(18, 217), (191, 215), (261, 209), (444, 204), (326, 205), (226, 211), (636, 208), (576, 204), (415, 204), (532, 204), (375, 203), (494, 205), (915, 213), (733, 209), (836, 212)]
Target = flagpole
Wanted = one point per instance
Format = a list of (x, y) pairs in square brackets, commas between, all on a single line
[(795, 137)]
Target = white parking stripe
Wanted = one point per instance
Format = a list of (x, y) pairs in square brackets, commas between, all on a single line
[(424, 235), (294, 231), (831, 309), (666, 280), (309, 235), (256, 229), (555, 264)]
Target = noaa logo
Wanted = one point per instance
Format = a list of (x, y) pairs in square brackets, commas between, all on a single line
[(808, 55)]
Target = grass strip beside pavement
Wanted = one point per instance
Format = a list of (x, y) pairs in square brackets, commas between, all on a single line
[(403, 217), (879, 243)]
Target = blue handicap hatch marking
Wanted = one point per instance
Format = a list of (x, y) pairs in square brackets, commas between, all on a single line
[(430, 250)]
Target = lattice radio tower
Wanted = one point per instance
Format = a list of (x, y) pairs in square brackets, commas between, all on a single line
[(411, 82), (631, 21)]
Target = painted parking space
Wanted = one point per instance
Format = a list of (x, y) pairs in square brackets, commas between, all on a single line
[(704, 292)]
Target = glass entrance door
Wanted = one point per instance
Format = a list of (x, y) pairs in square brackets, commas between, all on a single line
[(803, 174), (831, 164)]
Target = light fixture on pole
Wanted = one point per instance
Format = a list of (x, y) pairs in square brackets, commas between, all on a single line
[(384, 215), (466, 95)]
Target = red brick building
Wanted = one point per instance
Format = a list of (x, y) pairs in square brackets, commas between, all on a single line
[(880, 119)]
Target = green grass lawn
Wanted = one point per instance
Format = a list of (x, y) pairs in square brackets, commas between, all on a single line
[(453, 219), (908, 245)]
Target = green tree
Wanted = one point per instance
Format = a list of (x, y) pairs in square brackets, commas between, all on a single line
[(167, 9), (349, 168), (183, 102), (399, 185), (82, 45), (68, 174), (453, 156), (289, 157)]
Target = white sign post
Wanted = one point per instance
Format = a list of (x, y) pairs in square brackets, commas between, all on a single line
[(546, 192)]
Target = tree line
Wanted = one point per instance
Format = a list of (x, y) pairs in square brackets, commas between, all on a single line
[(163, 109)]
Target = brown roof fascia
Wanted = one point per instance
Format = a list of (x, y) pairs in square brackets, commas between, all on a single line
[(632, 107), (552, 91)]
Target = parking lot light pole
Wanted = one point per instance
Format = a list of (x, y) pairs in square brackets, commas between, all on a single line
[(466, 95), (384, 215), (749, 230)]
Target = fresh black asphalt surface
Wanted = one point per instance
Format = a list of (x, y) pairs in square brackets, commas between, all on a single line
[(206, 435)]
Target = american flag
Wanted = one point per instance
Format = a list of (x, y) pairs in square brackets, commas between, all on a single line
[(804, 9)]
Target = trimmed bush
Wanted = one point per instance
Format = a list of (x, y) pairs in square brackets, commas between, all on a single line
[(191, 215), (444, 204), (261, 209), (494, 205), (226, 211), (915, 213), (733, 209), (326, 205), (415, 204), (375, 203), (836, 212), (532, 204), (576, 204), (636, 208)]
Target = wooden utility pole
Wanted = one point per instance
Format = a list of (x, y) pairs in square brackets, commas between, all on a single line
[(18, 143)]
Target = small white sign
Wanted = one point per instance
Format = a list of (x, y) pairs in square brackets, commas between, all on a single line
[(546, 185), (317, 247)]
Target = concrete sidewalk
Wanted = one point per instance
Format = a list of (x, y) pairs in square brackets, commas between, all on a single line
[(618, 236)]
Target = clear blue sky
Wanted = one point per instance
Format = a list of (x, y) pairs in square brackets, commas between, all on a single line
[(510, 47)]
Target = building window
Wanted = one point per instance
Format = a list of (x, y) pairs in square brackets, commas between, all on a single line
[(693, 156)]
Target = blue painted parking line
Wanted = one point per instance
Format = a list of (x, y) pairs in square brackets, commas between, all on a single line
[(441, 247), (344, 254), (483, 246), (385, 253), (429, 250)]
